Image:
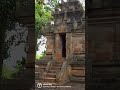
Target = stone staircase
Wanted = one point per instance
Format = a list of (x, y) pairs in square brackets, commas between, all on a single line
[(55, 73), (78, 74), (50, 76), (78, 69)]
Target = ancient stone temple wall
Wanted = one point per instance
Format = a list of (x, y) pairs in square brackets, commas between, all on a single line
[(101, 42), (103, 51), (68, 45), (25, 14), (66, 38), (78, 43), (68, 24), (50, 46)]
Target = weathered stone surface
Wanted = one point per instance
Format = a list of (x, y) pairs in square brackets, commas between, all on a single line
[(25, 14), (68, 37), (102, 49)]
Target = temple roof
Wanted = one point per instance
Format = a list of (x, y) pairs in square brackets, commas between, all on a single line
[(68, 17)]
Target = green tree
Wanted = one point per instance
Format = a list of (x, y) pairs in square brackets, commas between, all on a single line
[(42, 17), (43, 14)]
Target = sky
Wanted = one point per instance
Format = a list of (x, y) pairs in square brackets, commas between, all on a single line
[(41, 47)]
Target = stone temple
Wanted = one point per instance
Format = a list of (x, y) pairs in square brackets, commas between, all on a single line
[(65, 51)]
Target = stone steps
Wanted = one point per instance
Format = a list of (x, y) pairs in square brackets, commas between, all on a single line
[(78, 74), (52, 71), (50, 80), (50, 76), (55, 68), (78, 79), (57, 65)]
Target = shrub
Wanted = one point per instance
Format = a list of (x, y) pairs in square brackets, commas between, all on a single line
[(8, 73)]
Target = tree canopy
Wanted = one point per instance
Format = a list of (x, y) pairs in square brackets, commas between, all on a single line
[(43, 14)]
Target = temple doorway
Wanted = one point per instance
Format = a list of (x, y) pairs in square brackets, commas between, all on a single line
[(63, 44)]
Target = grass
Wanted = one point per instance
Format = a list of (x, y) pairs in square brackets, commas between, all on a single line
[(8, 73)]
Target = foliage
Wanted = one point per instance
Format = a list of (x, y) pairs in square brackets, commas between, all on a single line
[(39, 57), (43, 14), (42, 17), (8, 73), (53, 4), (7, 17), (20, 64), (7, 13)]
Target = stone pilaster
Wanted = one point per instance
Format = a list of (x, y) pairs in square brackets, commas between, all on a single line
[(68, 45), (31, 48), (58, 45), (50, 47)]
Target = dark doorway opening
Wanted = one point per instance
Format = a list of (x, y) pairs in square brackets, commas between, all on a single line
[(63, 41)]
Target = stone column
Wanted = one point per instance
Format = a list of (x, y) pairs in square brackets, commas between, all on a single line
[(26, 15), (31, 48), (68, 45), (50, 47), (116, 45), (58, 53)]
